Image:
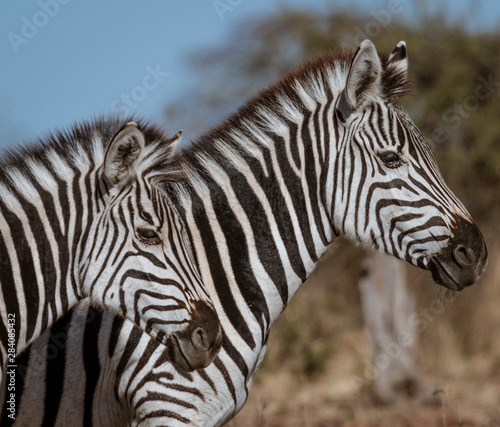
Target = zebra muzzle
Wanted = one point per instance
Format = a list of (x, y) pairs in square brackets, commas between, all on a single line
[(197, 346), (463, 261)]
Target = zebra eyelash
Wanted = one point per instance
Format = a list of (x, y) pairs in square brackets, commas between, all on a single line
[(148, 236), (390, 159)]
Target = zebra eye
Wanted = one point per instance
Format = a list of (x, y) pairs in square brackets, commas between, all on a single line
[(148, 236), (390, 159)]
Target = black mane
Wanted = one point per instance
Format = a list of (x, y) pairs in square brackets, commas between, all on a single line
[(395, 83), (72, 140)]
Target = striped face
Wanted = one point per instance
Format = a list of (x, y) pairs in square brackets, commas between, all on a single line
[(140, 262), (390, 193)]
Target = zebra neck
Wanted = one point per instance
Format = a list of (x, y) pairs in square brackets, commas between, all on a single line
[(40, 222), (256, 205), (258, 227)]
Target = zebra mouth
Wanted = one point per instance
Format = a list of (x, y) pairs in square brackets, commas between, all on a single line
[(442, 276), (462, 261), (177, 355)]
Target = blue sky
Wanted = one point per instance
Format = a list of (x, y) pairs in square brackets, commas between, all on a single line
[(66, 60)]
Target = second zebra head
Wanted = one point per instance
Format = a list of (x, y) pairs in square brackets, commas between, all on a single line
[(136, 256)]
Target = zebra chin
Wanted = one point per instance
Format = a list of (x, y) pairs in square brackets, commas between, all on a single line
[(463, 260)]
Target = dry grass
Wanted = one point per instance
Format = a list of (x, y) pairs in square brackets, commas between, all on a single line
[(317, 350)]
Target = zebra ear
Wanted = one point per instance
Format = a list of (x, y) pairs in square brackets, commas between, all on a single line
[(399, 58), (397, 78), (123, 152), (175, 142), (363, 80)]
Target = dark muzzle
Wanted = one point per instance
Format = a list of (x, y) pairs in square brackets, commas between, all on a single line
[(462, 262), (197, 346)]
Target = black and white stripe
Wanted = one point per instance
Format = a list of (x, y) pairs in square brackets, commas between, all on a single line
[(83, 214), (324, 152)]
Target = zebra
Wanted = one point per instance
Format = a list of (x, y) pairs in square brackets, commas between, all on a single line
[(83, 214), (324, 152)]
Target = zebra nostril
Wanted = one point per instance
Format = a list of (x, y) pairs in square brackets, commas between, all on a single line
[(199, 339), (464, 256)]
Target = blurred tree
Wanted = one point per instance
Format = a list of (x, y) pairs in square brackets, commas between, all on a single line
[(389, 314)]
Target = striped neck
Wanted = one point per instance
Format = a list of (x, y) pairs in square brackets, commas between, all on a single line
[(41, 226), (255, 202)]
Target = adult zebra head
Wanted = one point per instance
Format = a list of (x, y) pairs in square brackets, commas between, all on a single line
[(389, 192), (139, 260)]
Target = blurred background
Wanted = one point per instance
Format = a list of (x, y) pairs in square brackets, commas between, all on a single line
[(187, 66)]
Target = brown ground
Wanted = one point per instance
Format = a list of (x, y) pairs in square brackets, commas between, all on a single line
[(317, 350), (280, 400)]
